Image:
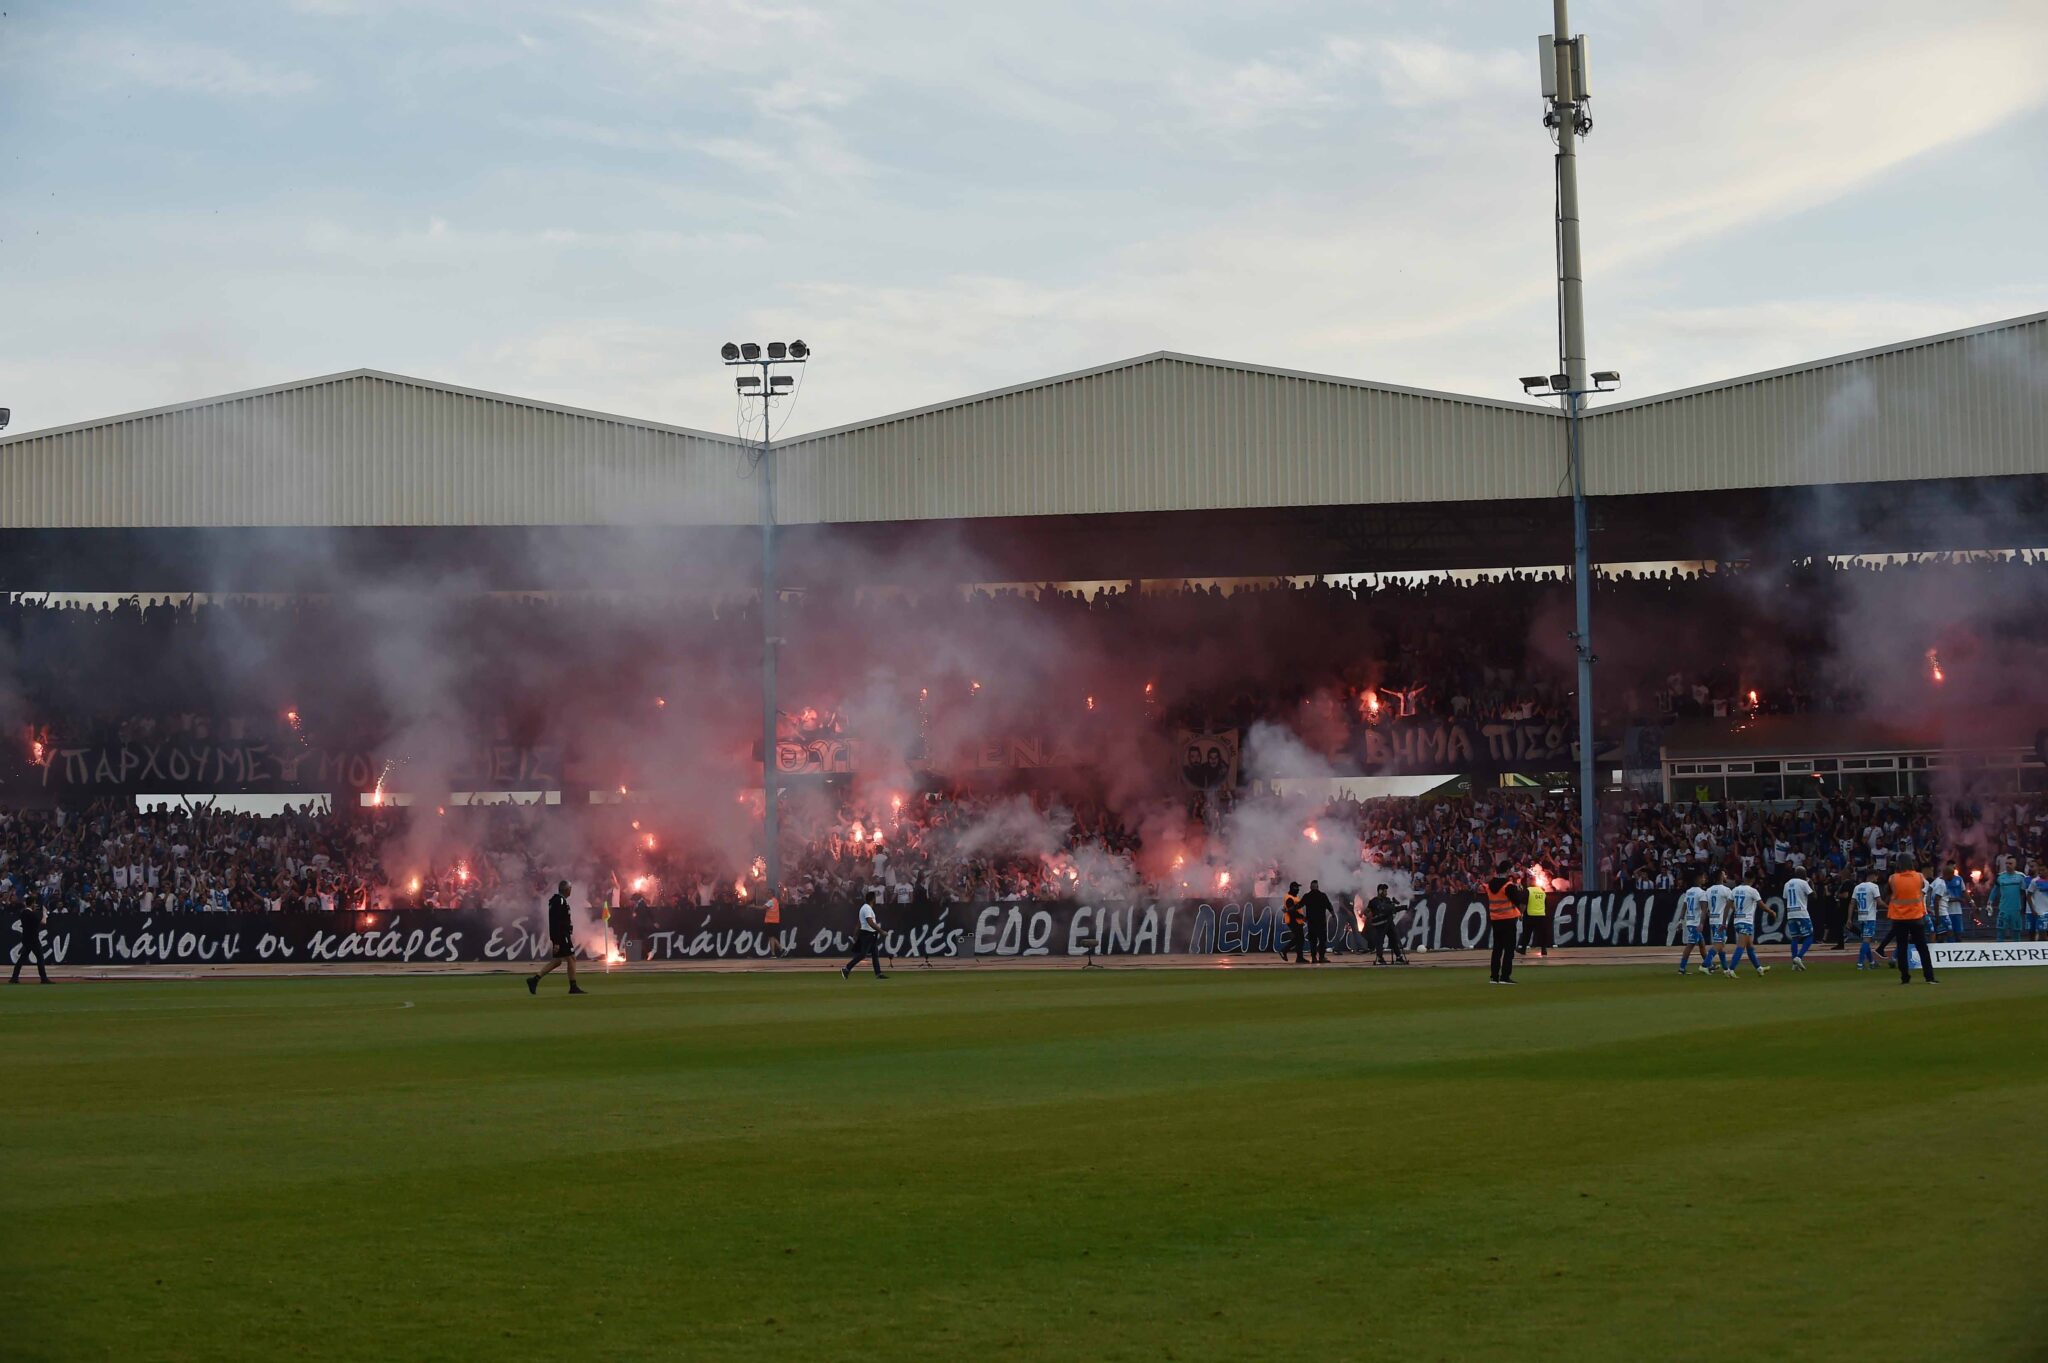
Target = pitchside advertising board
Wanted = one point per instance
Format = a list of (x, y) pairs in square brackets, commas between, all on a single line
[(1948, 955), (1200, 927)]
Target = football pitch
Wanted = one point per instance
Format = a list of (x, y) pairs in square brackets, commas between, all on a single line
[(1604, 1162)]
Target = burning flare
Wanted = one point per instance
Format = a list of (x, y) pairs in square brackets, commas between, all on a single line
[(1934, 667)]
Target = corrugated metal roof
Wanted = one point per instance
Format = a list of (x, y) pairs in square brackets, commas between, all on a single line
[(1159, 432), (1169, 432), (368, 448), (1970, 403)]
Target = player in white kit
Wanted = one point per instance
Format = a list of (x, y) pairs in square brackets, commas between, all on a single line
[(1866, 896), (1798, 896), (1745, 901), (1692, 912), (1718, 898), (1936, 903)]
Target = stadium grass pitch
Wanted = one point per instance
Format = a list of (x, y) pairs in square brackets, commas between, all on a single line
[(1605, 1162)]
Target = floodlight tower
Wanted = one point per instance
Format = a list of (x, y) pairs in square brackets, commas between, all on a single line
[(1567, 96), (766, 387)]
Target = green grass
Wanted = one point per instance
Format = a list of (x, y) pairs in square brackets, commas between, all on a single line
[(1603, 1163)]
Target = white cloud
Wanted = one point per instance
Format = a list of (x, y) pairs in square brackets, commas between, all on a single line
[(1416, 73), (1794, 127), (950, 202), (189, 67)]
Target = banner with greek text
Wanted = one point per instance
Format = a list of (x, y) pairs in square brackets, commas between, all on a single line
[(1179, 927)]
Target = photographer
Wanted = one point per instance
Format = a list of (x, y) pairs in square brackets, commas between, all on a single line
[(1379, 917)]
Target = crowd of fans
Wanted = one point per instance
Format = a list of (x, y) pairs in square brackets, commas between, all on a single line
[(564, 670), (962, 848), (640, 681)]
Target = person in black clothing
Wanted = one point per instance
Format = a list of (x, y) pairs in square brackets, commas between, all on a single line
[(562, 937), (867, 942), (1379, 918), (1315, 914), (1290, 918), (1833, 908), (28, 919)]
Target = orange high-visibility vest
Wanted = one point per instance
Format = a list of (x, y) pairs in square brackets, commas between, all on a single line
[(1498, 906), (1909, 896)]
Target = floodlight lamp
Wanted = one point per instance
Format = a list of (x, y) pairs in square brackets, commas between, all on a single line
[(1533, 383), (799, 351), (6, 415), (746, 382), (750, 351), (1561, 382), (781, 381), (728, 352), (777, 350), (1607, 376)]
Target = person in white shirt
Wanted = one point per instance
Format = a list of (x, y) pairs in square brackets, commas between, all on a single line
[(1743, 903), (1692, 909), (867, 943), (1799, 919), (1866, 896)]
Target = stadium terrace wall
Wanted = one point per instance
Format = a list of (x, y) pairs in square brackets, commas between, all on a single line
[(986, 932)]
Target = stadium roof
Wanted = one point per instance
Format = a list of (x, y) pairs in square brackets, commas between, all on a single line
[(1160, 433)]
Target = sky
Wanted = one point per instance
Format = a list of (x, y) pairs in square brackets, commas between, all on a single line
[(579, 201)]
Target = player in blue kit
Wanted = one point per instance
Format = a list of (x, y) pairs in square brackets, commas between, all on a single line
[(1799, 919), (2008, 903)]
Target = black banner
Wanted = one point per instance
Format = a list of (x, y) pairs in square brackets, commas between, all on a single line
[(180, 767), (988, 931), (1425, 744)]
